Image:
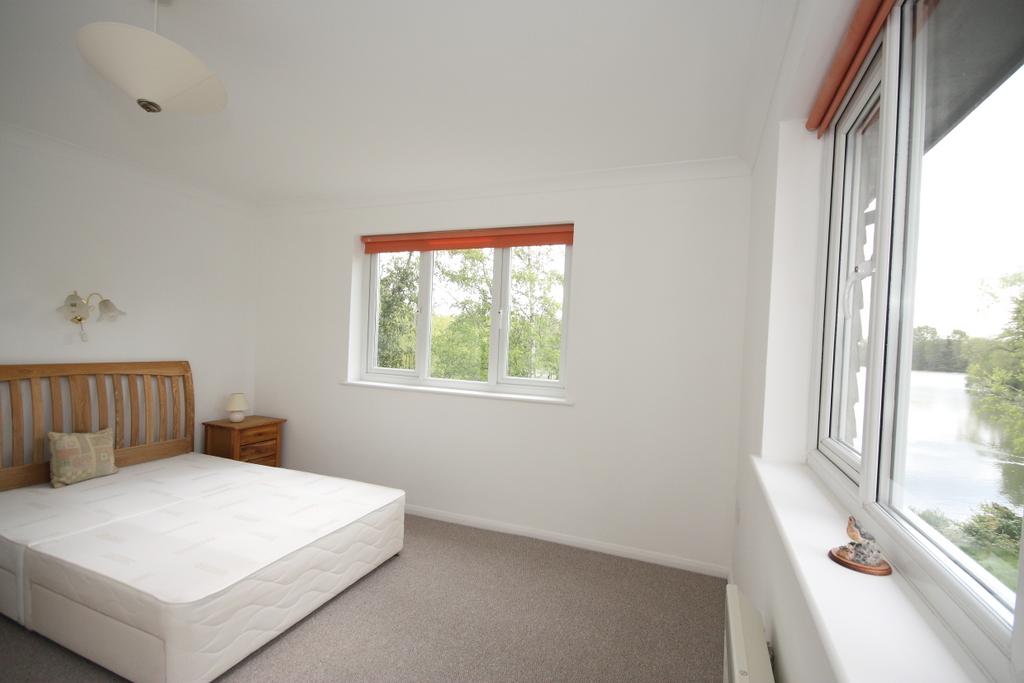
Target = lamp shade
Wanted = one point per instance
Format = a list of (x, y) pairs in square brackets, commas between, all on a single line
[(108, 311), (157, 73), (237, 402), (75, 308)]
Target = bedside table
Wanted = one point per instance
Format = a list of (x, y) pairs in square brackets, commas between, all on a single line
[(255, 439)]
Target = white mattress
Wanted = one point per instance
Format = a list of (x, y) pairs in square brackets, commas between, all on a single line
[(180, 581), (36, 514)]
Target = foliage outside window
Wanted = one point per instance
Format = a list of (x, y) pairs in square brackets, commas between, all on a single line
[(460, 314), (535, 312), (398, 286), (494, 318)]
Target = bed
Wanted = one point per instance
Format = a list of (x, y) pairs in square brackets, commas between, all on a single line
[(181, 564)]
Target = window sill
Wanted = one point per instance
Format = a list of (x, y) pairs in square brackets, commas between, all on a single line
[(416, 388), (872, 628)]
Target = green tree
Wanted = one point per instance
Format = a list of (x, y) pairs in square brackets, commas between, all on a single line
[(937, 354), (924, 338), (535, 313), (461, 312), (996, 528), (460, 337), (396, 319), (995, 380), (991, 537)]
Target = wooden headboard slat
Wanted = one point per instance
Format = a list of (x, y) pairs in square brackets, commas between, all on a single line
[(190, 407), (118, 412), (157, 441), (102, 408), (56, 405), (147, 390), (17, 426), (81, 406), (133, 401), (175, 411), (38, 433)]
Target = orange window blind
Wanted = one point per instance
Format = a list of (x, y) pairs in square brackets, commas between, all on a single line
[(868, 21), (477, 238)]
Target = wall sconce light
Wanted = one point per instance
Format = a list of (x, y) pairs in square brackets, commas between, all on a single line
[(77, 310)]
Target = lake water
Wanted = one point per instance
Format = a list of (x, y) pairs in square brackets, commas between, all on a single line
[(952, 464)]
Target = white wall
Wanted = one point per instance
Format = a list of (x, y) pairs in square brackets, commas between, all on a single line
[(814, 29), (642, 463), (777, 420), (784, 385), (764, 571), (790, 392), (179, 261), (759, 274)]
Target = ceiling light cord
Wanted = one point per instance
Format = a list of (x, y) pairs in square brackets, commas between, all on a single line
[(156, 15)]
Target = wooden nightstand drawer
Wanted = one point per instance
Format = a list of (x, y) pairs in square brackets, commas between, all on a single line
[(255, 439), (255, 451), (256, 434)]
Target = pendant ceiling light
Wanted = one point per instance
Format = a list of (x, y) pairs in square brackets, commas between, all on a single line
[(157, 73)]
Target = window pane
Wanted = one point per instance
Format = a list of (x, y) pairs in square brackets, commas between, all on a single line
[(958, 467), (535, 311), (853, 319), (397, 292), (460, 314)]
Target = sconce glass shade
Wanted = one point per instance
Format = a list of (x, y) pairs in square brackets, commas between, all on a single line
[(108, 311), (75, 308)]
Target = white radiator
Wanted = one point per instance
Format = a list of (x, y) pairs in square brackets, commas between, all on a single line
[(746, 651)]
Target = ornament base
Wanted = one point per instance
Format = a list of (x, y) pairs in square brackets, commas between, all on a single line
[(883, 569)]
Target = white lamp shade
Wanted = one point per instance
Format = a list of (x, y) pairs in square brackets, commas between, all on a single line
[(74, 307), (237, 403), (108, 311), (150, 67)]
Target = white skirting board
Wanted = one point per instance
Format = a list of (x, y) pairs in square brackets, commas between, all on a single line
[(630, 552)]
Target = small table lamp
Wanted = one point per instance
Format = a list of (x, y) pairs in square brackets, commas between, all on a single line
[(237, 405)]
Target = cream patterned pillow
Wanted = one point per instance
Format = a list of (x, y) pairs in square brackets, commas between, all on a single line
[(77, 457)]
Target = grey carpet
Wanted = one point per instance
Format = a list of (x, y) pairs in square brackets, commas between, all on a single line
[(462, 604)]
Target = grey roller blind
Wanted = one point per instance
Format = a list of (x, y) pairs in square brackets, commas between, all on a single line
[(974, 45)]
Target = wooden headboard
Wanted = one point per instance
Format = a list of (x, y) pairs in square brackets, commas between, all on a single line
[(149, 405)]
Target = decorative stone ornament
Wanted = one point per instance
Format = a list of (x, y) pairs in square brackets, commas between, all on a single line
[(862, 553)]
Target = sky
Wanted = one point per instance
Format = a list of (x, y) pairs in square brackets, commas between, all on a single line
[(972, 218)]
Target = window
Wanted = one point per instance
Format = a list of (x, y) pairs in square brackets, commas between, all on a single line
[(922, 368), (535, 292), (854, 260), (460, 314), (471, 309), (957, 443), (397, 278)]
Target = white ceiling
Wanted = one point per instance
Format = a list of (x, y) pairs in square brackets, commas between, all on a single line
[(333, 100)]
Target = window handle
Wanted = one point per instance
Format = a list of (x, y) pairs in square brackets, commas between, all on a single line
[(860, 272)]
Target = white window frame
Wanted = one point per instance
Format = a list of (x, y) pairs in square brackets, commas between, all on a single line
[(864, 99), (498, 380), (983, 623)]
